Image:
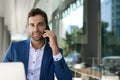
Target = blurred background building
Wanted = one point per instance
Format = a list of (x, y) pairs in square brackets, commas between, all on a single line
[(110, 19)]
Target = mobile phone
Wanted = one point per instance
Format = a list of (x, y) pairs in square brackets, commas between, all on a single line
[(47, 28)]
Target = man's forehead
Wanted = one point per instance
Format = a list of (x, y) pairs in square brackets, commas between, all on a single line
[(36, 19)]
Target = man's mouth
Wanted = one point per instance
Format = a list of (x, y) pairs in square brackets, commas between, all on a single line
[(36, 34)]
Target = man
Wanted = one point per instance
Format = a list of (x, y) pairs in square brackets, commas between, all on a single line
[(41, 57)]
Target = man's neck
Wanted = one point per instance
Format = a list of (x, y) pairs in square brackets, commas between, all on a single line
[(38, 44)]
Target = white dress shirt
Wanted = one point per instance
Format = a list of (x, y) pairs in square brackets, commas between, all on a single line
[(35, 60)]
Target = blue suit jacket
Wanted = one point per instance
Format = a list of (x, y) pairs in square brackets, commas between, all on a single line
[(19, 52)]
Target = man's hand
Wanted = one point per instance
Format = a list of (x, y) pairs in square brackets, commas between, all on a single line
[(52, 41)]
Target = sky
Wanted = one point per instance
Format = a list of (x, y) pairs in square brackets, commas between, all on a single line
[(102, 1), (74, 18)]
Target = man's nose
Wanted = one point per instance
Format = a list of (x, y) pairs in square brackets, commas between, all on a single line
[(36, 28)]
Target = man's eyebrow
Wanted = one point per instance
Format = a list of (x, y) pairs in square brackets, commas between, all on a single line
[(37, 23), (40, 22)]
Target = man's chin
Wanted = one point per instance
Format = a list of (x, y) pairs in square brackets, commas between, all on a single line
[(38, 39)]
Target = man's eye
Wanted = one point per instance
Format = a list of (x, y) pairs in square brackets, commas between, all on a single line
[(41, 24)]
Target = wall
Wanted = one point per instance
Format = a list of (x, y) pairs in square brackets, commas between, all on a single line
[(1, 8), (4, 38), (1, 36)]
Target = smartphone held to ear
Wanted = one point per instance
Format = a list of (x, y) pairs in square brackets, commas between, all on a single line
[(47, 28)]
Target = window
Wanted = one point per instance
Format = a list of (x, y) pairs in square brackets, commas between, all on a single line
[(110, 46)]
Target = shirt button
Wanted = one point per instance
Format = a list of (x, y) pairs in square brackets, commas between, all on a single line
[(33, 62), (31, 73), (56, 58)]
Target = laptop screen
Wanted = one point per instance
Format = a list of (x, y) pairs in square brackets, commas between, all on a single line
[(12, 71)]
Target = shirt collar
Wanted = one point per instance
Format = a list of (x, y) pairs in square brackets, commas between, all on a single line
[(40, 48)]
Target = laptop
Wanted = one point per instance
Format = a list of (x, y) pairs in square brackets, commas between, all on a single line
[(12, 71)]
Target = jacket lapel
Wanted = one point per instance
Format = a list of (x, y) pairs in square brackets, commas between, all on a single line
[(26, 55), (45, 61)]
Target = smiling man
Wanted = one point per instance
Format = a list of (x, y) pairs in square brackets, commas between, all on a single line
[(41, 55)]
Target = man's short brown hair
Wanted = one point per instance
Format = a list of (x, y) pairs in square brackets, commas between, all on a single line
[(38, 11)]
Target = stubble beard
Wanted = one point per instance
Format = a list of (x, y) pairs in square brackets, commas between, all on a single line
[(39, 39)]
